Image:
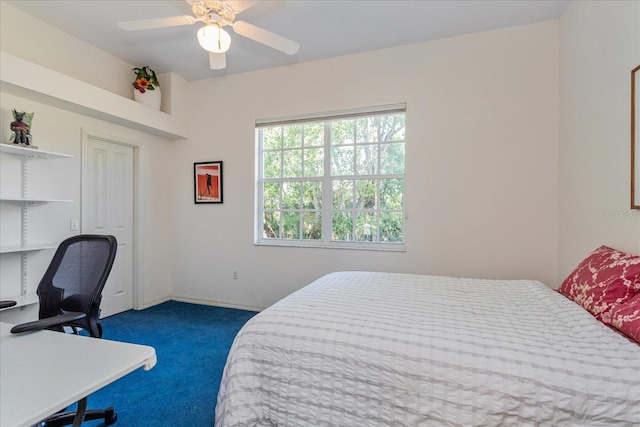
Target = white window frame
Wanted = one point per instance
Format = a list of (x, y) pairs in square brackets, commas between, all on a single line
[(326, 180)]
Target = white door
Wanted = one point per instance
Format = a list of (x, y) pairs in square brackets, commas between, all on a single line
[(108, 209)]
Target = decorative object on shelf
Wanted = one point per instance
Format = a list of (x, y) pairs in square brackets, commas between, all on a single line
[(21, 128), (146, 88), (207, 182)]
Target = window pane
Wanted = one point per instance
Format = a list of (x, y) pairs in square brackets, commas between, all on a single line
[(392, 128), (271, 195), (292, 136), (365, 172), (312, 226), (342, 132), (313, 134), (272, 164), (342, 194), (391, 227), (312, 196), (342, 161), (272, 138), (290, 225), (271, 225), (342, 225), (367, 129), (291, 195), (366, 194), (292, 164), (391, 193), (367, 159), (314, 162), (366, 229), (392, 158)]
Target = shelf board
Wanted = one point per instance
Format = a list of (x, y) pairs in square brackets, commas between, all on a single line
[(29, 80), (25, 248), (31, 153), (31, 200), (21, 300)]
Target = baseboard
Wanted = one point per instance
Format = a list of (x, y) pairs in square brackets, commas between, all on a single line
[(152, 303), (215, 303)]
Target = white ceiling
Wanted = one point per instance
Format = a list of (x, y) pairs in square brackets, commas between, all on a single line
[(324, 29)]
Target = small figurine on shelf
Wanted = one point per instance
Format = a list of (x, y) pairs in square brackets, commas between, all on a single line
[(20, 127)]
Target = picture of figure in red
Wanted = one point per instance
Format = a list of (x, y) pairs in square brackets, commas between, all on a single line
[(208, 182)]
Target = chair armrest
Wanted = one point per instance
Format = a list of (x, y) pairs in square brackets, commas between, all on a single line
[(7, 303), (49, 322)]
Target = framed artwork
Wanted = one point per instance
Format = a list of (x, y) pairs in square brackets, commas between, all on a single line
[(635, 138), (207, 182)]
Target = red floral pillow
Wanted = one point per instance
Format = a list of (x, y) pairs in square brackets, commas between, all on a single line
[(603, 279), (626, 318)]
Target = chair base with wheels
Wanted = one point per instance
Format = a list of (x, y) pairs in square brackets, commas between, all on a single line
[(64, 419)]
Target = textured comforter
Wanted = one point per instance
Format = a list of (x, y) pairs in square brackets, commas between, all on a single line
[(369, 349)]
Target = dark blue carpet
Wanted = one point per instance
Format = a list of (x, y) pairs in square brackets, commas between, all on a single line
[(191, 342)]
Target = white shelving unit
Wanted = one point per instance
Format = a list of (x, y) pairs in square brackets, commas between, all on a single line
[(26, 154), (28, 201), (24, 248), (31, 153)]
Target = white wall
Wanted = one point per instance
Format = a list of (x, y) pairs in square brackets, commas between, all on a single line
[(58, 130), (600, 44), (29, 38), (481, 169)]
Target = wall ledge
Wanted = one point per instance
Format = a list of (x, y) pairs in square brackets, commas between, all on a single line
[(26, 79)]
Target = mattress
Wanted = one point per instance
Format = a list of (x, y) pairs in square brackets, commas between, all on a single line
[(389, 349)]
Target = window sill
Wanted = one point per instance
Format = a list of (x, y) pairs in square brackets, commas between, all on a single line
[(361, 246)]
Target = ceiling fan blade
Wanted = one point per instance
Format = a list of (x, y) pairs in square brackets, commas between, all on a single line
[(217, 61), (148, 24), (240, 5), (265, 37)]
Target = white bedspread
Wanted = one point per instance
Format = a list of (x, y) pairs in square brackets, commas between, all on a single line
[(372, 349)]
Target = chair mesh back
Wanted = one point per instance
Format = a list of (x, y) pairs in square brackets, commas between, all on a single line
[(82, 267), (75, 278)]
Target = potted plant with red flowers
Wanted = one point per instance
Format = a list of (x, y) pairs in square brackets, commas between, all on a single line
[(146, 88)]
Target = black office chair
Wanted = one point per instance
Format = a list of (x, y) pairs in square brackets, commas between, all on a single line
[(70, 294)]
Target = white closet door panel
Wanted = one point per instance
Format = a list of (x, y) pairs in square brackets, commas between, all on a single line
[(109, 210), (97, 197)]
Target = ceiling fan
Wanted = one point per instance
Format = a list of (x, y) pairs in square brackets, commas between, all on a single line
[(212, 37)]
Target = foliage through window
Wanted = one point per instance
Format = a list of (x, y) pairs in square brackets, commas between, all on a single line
[(332, 181)]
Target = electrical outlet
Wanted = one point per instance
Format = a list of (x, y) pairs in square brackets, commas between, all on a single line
[(235, 274)]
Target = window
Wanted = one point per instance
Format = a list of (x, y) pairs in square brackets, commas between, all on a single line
[(335, 180)]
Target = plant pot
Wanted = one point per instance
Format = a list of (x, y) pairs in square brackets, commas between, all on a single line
[(150, 98)]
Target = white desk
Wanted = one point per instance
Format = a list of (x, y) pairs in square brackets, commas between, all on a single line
[(43, 372)]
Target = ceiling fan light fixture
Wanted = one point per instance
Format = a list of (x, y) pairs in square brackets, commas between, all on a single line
[(214, 39)]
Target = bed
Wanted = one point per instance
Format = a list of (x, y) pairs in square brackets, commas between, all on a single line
[(376, 349)]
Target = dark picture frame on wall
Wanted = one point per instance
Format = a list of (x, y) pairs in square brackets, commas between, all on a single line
[(207, 182)]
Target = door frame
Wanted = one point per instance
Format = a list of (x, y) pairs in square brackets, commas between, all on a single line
[(138, 206)]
